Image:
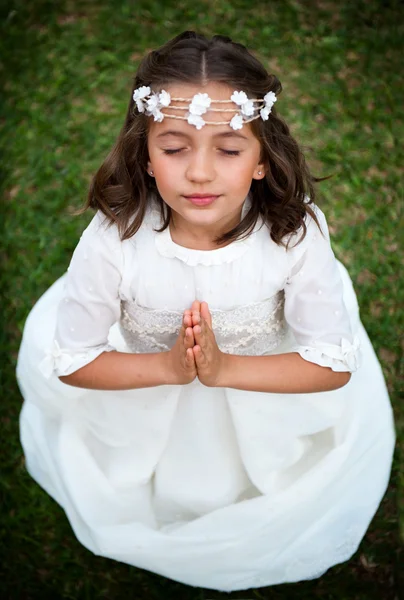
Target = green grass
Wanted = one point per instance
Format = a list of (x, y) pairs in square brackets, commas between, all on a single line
[(67, 71)]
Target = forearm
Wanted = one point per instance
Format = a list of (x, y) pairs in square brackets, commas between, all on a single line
[(121, 371), (279, 373)]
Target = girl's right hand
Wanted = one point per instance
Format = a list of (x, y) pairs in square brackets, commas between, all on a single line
[(181, 360)]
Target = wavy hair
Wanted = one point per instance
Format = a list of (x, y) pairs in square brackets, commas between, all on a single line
[(121, 188)]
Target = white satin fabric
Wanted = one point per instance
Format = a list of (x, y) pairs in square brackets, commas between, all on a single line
[(216, 488)]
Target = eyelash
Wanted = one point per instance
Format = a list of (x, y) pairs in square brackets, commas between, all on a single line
[(227, 152)]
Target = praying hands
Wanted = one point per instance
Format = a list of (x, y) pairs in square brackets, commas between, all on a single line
[(196, 353)]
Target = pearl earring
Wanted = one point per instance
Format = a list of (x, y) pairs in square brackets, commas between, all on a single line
[(151, 173), (259, 172)]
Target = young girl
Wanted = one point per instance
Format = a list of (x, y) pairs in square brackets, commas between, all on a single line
[(193, 396)]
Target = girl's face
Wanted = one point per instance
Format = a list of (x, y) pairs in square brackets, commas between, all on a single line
[(214, 161)]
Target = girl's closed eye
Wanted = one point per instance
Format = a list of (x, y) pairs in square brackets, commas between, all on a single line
[(173, 150), (227, 152), (231, 152)]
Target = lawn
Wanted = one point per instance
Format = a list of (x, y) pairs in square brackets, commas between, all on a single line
[(67, 70)]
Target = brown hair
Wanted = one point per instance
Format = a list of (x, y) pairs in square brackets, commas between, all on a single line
[(121, 187)]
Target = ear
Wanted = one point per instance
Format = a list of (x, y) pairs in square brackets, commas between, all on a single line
[(259, 171), (150, 168)]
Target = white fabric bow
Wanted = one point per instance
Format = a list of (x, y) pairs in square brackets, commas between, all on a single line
[(55, 359), (350, 353), (346, 352), (346, 355)]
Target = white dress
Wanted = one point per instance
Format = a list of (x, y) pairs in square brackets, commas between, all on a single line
[(212, 487)]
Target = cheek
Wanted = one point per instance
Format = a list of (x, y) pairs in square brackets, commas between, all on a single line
[(165, 169), (166, 177), (163, 183), (163, 166), (241, 174)]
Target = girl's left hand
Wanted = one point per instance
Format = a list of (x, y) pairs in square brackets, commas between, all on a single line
[(208, 357)]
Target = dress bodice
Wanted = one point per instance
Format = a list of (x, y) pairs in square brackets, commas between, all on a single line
[(150, 321)]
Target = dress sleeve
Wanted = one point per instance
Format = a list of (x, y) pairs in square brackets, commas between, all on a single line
[(91, 301), (314, 304)]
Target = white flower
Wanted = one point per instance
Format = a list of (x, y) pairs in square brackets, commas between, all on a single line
[(239, 98), (164, 98), (248, 108), (196, 120), (141, 92), (270, 99), (236, 122), (158, 115), (152, 103), (264, 112), (139, 95), (140, 105), (199, 104)]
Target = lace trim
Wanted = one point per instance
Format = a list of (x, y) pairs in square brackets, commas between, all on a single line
[(147, 327), (253, 329)]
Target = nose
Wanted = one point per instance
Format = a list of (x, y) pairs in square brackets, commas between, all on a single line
[(201, 168)]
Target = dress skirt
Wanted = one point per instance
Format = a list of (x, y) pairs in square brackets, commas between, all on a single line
[(212, 487)]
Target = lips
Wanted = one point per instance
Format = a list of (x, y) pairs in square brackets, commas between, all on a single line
[(201, 199)]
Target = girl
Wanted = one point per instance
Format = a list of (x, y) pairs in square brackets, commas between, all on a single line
[(192, 390)]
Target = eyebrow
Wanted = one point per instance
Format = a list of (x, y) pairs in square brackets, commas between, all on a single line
[(224, 134)]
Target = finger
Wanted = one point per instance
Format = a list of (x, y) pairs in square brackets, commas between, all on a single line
[(198, 356), (203, 325), (196, 305), (190, 358), (189, 337), (198, 336), (196, 317), (205, 313), (183, 328), (187, 319), (202, 334), (195, 310)]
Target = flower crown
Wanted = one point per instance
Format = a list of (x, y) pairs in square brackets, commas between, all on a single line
[(249, 109)]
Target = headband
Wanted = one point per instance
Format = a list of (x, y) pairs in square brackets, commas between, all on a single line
[(249, 109)]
